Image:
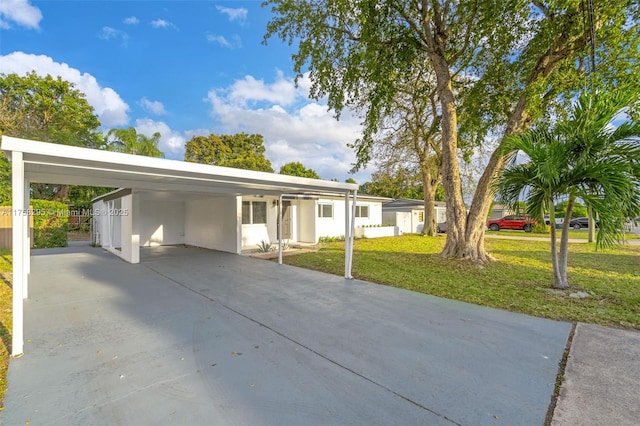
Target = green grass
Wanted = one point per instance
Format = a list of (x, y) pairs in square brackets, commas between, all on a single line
[(519, 280), (5, 319)]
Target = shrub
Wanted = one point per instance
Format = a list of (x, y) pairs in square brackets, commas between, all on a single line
[(49, 223), (265, 246), (541, 228)]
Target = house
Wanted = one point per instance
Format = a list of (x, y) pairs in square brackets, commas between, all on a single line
[(168, 201), (500, 210), (408, 215), (162, 218)]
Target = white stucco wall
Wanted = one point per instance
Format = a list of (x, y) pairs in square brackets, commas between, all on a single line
[(335, 227), (160, 222), (400, 219), (214, 223), (306, 224)]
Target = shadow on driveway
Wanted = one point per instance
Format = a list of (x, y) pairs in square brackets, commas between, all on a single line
[(192, 336)]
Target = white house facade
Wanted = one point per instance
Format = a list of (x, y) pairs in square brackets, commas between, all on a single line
[(226, 223), (408, 214)]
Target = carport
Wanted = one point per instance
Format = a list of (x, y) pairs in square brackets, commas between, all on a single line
[(41, 162)]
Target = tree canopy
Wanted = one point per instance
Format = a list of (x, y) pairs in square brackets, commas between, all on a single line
[(295, 168), (241, 151), (131, 142), (47, 109), (498, 67)]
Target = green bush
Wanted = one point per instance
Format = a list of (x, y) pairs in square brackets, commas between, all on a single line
[(541, 228), (49, 223)]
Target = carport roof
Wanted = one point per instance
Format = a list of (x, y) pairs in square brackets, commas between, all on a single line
[(62, 164)]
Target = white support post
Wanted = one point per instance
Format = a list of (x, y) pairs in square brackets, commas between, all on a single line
[(130, 242), (347, 239), (352, 233), (280, 230), (18, 237), (26, 257)]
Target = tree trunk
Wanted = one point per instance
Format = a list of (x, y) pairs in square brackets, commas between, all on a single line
[(456, 211), (561, 280), (592, 224), (429, 193), (473, 247), (554, 249)]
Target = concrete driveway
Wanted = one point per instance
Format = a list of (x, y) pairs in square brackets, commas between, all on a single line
[(193, 336)]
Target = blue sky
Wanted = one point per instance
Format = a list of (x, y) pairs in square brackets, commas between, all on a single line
[(182, 68)]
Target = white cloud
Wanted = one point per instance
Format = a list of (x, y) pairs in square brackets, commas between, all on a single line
[(234, 43), (294, 128), (131, 20), (155, 107), (171, 142), (109, 107), (234, 14), (161, 23), (20, 12), (109, 33), (249, 90)]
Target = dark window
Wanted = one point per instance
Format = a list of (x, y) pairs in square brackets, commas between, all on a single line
[(362, 211), (246, 212), (259, 212), (254, 212), (325, 210)]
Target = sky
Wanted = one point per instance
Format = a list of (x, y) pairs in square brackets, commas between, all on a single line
[(181, 68)]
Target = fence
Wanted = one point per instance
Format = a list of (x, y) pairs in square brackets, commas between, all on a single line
[(6, 230)]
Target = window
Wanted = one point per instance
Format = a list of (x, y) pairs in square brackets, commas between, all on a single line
[(254, 212), (325, 210), (362, 211)]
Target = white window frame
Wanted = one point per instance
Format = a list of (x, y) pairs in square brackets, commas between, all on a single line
[(359, 208), (251, 221), (321, 207)]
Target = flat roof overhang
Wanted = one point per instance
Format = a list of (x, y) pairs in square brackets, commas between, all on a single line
[(69, 165)]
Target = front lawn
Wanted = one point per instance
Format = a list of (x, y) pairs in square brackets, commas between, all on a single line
[(5, 318), (519, 280)]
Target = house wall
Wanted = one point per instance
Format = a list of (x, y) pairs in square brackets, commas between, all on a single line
[(214, 223), (116, 222), (254, 234), (400, 219), (334, 227), (306, 226), (159, 222)]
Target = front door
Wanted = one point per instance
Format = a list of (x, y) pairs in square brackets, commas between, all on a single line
[(286, 220)]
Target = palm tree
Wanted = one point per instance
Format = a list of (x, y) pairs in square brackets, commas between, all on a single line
[(131, 142), (594, 155)]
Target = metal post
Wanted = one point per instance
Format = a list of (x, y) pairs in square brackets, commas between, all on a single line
[(347, 239), (352, 233), (280, 230)]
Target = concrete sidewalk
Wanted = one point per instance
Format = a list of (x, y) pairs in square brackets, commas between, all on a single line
[(192, 336), (602, 379)]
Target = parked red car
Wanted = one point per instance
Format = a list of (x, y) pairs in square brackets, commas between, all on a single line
[(514, 221)]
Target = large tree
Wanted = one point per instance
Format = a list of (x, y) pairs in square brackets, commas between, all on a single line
[(589, 156), (521, 57), (131, 142), (241, 151), (47, 109), (296, 168), (408, 137)]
